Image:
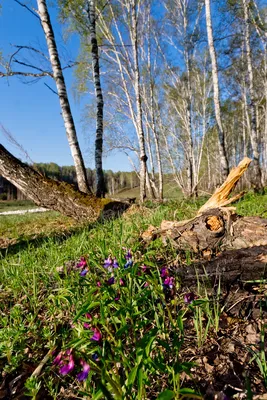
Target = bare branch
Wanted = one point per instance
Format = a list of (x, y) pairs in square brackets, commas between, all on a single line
[(28, 8), (13, 141), (49, 87), (30, 74), (33, 67)]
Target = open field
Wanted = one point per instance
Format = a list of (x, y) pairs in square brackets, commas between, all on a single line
[(141, 339)]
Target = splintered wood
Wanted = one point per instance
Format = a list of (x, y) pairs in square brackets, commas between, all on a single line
[(220, 197)]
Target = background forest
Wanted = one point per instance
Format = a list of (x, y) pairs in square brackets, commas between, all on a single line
[(184, 87)]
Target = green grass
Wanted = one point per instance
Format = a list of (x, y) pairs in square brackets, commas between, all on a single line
[(43, 307)]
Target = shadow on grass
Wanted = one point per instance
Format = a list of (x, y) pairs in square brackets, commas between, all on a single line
[(38, 240)]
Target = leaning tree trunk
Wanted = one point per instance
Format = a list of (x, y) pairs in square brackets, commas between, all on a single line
[(55, 195), (100, 182), (63, 97), (141, 136), (252, 106), (216, 93)]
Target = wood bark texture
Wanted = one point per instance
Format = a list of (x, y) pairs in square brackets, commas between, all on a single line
[(216, 92), (252, 103), (55, 195), (141, 136), (63, 96), (100, 181)]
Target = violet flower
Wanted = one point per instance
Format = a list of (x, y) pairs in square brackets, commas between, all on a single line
[(164, 272), (67, 368), (146, 284), (108, 262), (168, 283), (189, 297), (129, 259), (115, 263), (82, 263), (122, 283), (98, 284), (83, 375), (111, 281), (97, 336), (84, 272), (117, 298), (95, 357), (58, 358)]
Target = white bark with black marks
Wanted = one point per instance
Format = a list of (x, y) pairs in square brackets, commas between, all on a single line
[(63, 96), (100, 182), (141, 136), (252, 104), (216, 93)]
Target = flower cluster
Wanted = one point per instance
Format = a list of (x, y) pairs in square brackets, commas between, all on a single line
[(82, 265), (65, 360), (111, 263), (97, 336), (168, 281), (129, 259)]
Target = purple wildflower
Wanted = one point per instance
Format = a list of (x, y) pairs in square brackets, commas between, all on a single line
[(122, 283), (164, 272), (83, 375), (98, 284), (144, 268), (95, 357), (67, 368), (58, 359), (82, 263), (84, 271), (108, 262), (128, 255), (115, 263), (189, 297), (97, 336), (168, 283), (129, 259), (86, 325), (146, 284), (111, 281), (117, 298)]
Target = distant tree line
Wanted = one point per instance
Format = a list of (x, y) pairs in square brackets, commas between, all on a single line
[(114, 181)]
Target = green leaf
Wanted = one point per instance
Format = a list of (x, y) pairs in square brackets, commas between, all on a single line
[(166, 395), (190, 392), (85, 308), (122, 330), (132, 375), (99, 395)]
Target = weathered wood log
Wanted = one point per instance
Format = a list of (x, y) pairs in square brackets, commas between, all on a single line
[(215, 226), (214, 229), (55, 195), (229, 267)]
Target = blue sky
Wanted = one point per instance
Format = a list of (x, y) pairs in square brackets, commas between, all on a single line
[(31, 112)]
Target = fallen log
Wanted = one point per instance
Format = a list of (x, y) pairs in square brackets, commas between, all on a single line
[(228, 268), (240, 241), (215, 226), (55, 195)]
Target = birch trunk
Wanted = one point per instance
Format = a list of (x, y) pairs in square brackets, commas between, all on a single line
[(141, 137), (252, 104), (100, 182), (216, 93), (152, 111), (63, 97)]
